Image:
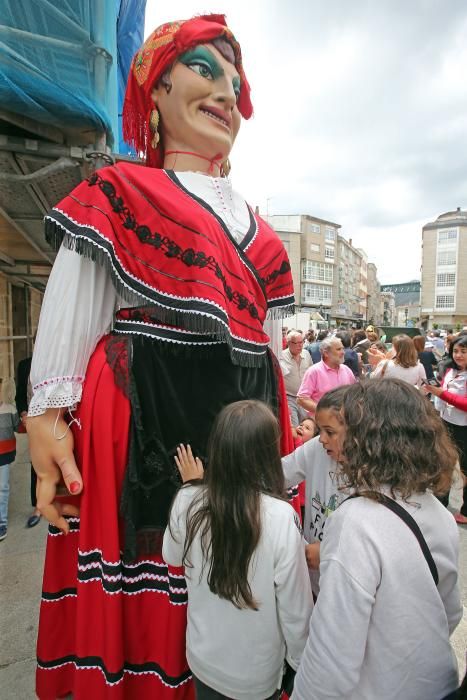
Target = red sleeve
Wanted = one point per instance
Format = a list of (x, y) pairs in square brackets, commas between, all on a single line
[(455, 400)]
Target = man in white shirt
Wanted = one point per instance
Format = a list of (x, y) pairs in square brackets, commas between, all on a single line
[(294, 362)]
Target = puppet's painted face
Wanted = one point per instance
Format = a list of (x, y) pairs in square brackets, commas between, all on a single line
[(199, 112)]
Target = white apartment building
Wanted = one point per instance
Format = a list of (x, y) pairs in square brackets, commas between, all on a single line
[(444, 271), (311, 243), (351, 279), (332, 279)]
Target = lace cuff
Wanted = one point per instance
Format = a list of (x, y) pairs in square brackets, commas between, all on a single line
[(60, 392)]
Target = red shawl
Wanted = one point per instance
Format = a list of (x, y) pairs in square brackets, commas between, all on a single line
[(170, 255)]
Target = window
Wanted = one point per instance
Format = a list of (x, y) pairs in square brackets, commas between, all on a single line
[(316, 294), (445, 301), (329, 253), (329, 233), (446, 279), (449, 234), (315, 228), (447, 257), (319, 271), (314, 247)]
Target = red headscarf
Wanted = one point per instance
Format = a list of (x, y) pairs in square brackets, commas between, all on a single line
[(158, 52)]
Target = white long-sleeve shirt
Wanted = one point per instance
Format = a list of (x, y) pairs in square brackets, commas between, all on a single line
[(240, 653), (311, 463), (80, 303), (380, 628)]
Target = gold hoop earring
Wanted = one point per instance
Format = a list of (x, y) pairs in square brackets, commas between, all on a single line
[(225, 168), (154, 120)]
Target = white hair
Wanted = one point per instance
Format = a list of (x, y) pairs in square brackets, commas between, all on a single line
[(327, 343), (293, 334)]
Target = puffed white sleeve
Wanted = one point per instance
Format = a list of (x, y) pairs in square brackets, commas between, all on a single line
[(77, 311)]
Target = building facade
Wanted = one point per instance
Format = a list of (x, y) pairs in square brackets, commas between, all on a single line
[(444, 271), (312, 247), (19, 317), (349, 307), (333, 280)]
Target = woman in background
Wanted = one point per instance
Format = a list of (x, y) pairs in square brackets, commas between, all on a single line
[(403, 365), (454, 417)]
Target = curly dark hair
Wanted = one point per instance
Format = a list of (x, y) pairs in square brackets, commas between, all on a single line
[(394, 437)]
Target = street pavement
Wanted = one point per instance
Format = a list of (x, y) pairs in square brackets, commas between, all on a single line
[(21, 560)]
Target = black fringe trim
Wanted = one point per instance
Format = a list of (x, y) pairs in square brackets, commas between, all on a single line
[(275, 314), (196, 319)]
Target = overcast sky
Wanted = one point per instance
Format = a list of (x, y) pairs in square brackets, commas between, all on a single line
[(360, 114)]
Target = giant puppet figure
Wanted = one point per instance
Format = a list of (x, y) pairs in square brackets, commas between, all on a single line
[(152, 321)]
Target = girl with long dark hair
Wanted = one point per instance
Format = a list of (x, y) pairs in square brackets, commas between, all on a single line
[(249, 596)]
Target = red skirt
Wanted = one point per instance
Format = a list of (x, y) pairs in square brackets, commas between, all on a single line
[(108, 629)]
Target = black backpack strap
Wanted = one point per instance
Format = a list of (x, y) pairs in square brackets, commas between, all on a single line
[(410, 522)]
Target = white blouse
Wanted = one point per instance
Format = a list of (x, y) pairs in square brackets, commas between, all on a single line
[(412, 375), (80, 303), (454, 381)]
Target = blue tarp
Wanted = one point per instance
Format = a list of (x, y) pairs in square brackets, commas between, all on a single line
[(58, 60), (130, 33)]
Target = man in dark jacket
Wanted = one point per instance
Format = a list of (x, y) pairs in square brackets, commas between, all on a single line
[(350, 356)]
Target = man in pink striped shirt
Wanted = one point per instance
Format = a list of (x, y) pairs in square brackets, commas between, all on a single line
[(325, 375)]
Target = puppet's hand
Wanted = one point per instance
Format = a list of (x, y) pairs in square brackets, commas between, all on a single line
[(54, 462)]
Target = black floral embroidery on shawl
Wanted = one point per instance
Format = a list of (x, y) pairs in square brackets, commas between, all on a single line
[(188, 256), (283, 270)]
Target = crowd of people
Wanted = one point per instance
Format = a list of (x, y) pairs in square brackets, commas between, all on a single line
[(348, 357), (167, 439)]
